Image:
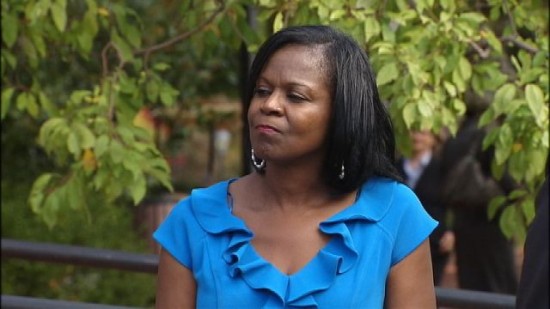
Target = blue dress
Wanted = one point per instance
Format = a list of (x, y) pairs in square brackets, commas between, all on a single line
[(383, 226)]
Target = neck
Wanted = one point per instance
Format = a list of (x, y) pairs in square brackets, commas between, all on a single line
[(293, 189)]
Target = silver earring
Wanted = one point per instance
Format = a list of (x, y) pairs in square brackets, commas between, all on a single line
[(342, 172), (258, 164)]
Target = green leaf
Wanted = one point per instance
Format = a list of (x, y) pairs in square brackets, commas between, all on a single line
[(528, 209), (534, 165), (138, 189), (535, 100), (168, 94), (47, 105), (489, 138), (494, 205), (59, 15), (51, 125), (278, 22), (152, 90), (78, 96), (6, 101), (117, 152), (465, 68), (73, 145), (409, 114), (473, 17), (425, 109), (504, 144), (504, 94), (131, 33), (85, 136), (10, 27), (123, 48), (85, 41), (36, 196), (163, 177), (507, 221), (493, 41), (458, 81), (487, 116), (545, 139), (161, 66), (32, 106), (38, 41), (101, 145), (74, 190), (27, 101), (372, 28), (50, 209), (10, 59), (459, 106), (336, 14), (387, 74), (450, 88), (517, 194), (126, 134), (127, 84)]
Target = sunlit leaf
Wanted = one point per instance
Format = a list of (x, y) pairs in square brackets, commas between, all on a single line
[(7, 93), (387, 74), (535, 100), (10, 28), (278, 22), (59, 15)]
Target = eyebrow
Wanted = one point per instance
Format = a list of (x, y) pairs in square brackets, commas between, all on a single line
[(295, 84)]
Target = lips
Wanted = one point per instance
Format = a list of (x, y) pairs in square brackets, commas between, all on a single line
[(264, 128)]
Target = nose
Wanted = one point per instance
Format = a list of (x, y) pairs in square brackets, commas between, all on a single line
[(272, 104)]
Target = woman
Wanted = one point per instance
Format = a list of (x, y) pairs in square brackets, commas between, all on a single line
[(322, 221), (422, 173)]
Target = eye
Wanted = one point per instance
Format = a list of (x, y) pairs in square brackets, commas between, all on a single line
[(296, 97), (261, 92)]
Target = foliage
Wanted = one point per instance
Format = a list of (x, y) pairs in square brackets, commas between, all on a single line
[(430, 58), (111, 227)]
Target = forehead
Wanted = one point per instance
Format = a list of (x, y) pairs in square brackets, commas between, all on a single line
[(301, 59)]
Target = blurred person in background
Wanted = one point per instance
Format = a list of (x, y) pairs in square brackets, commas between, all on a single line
[(484, 256), (421, 171), (533, 284)]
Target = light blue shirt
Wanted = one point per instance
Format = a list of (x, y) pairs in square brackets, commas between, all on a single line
[(383, 226), (413, 174)]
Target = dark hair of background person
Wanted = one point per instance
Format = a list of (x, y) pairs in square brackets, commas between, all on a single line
[(361, 132)]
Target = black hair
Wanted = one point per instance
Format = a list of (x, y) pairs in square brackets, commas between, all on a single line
[(361, 134)]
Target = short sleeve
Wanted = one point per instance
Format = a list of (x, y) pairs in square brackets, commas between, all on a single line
[(412, 225), (175, 231)]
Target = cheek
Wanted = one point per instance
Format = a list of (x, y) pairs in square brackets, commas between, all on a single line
[(314, 125), (251, 111)]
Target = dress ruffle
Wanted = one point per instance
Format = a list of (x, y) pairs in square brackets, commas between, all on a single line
[(296, 290)]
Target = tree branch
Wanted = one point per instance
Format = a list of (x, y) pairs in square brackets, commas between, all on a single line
[(104, 60), (182, 36), (520, 44), (483, 53), (510, 17)]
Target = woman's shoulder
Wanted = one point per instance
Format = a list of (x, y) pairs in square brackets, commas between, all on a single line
[(201, 201), (387, 196), (385, 189)]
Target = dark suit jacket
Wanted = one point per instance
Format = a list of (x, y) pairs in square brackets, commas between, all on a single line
[(428, 188), (533, 285)]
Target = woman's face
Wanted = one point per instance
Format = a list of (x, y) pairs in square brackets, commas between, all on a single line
[(291, 107)]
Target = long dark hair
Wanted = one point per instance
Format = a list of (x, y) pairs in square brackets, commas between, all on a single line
[(361, 134)]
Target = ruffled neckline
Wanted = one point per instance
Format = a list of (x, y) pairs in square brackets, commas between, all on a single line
[(213, 213)]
